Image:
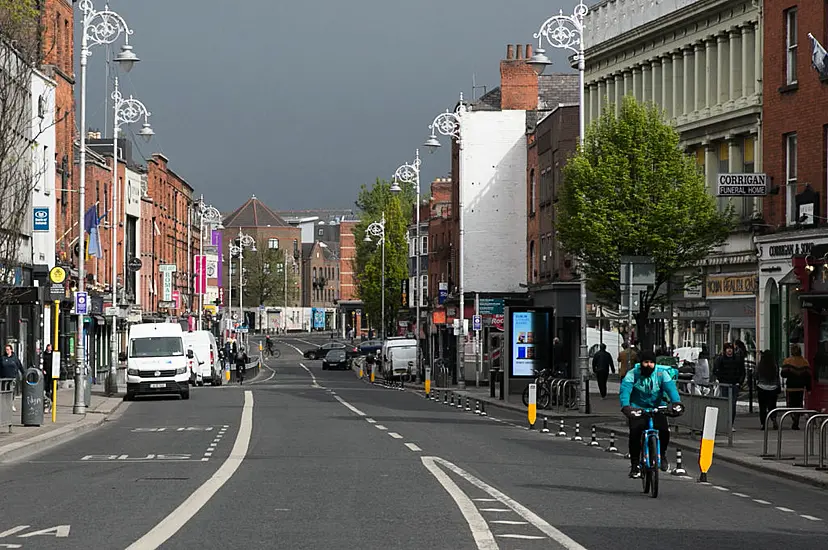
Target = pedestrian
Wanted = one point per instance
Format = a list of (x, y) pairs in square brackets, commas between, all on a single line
[(241, 364), (601, 366), (558, 359), (47, 373), (11, 368), (701, 373), (729, 370), (768, 385), (797, 373), (627, 358)]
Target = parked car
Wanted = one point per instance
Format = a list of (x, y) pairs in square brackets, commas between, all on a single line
[(369, 347), (335, 359), (322, 351)]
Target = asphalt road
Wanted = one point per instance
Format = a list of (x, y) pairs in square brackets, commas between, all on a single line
[(298, 458)]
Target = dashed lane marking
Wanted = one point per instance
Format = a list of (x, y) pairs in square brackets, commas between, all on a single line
[(313, 377), (395, 435), (720, 488), (484, 499), (759, 501), (521, 537), (812, 518), (783, 509), (740, 495), (380, 427), (508, 521), (495, 510), (349, 406), (413, 447), (370, 420)]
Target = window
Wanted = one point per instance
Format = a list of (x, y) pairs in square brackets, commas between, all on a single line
[(533, 262), (423, 245), (411, 247), (273, 244), (724, 158), (790, 46), (532, 192), (749, 156), (790, 176), (424, 288), (700, 159)]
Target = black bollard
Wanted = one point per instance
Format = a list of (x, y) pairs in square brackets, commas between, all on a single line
[(577, 436), (562, 429), (468, 409), (593, 442), (482, 408), (679, 469), (612, 448), (476, 406), (545, 429)]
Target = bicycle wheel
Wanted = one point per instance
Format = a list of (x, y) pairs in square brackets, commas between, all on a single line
[(644, 469), (526, 397), (276, 354), (654, 467)]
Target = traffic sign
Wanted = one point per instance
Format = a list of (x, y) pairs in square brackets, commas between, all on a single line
[(81, 303), (57, 275), (134, 264), (477, 322)]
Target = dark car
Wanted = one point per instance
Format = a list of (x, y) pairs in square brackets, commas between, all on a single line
[(369, 347), (335, 359), (322, 351)]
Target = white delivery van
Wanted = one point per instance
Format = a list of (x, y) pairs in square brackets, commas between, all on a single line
[(613, 341), (156, 360), (399, 357), (206, 362)]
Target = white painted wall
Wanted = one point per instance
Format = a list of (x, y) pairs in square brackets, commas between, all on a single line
[(42, 249), (493, 176)]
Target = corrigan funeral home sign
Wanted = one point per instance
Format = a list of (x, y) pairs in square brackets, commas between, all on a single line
[(742, 185)]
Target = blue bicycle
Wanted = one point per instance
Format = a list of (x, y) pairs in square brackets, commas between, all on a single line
[(650, 462)]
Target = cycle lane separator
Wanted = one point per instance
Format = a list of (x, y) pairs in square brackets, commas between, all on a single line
[(179, 517)]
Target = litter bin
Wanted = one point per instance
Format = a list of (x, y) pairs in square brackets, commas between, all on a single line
[(32, 409)]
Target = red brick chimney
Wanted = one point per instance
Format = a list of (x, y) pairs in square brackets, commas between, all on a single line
[(518, 80)]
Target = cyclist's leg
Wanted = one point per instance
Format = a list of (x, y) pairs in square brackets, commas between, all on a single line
[(637, 426), (660, 423)]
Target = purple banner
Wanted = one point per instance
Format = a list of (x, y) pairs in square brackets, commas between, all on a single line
[(216, 240)]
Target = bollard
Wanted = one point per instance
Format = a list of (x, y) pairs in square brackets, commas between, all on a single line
[(476, 406), (679, 469), (577, 436), (468, 409), (460, 402), (545, 429), (452, 399), (593, 442), (482, 408), (445, 397), (562, 430), (708, 441), (612, 448), (532, 407)]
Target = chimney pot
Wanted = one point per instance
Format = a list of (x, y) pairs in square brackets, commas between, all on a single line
[(510, 52), (528, 51), (519, 51)]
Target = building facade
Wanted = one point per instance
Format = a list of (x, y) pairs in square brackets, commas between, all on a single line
[(320, 284), (701, 62)]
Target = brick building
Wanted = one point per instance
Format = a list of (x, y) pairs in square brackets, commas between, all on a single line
[(320, 277), (795, 141), (440, 257), (350, 305)]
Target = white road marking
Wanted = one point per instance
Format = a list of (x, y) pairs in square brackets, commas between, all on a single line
[(179, 517), (13, 530), (483, 537), (522, 537), (395, 435), (740, 495), (297, 349), (380, 427), (783, 509), (413, 447), (370, 420), (757, 501), (495, 509), (484, 499), (205, 459), (350, 407), (812, 518), (313, 378), (269, 378), (208, 454), (508, 521), (518, 508), (719, 488)]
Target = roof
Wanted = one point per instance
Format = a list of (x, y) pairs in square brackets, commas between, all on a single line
[(307, 248), (557, 88), (329, 214), (490, 101), (254, 213)]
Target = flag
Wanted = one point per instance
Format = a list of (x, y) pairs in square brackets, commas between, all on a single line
[(91, 221), (819, 57)]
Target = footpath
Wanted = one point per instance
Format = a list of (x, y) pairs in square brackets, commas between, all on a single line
[(23, 441), (605, 415)]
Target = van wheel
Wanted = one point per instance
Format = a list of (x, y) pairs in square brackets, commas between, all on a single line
[(130, 396), (185, 395), (200, 384)]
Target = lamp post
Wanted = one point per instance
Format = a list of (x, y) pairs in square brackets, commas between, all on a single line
[(410, 173), (99, 28), (126, 111), (566, 32), (377, 230), (449, 124), (208, 216), (245, 241)]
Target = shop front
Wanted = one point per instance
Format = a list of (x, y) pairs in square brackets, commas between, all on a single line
[(732, 302)]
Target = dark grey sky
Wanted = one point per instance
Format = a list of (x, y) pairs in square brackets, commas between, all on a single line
[(300, 102)]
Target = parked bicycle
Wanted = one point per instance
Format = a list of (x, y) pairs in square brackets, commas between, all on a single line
[(543, 380)]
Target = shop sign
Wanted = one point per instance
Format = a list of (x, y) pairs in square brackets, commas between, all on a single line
[(787, 250), (491, 306), (730, 285), (742, 185), (691, 290)]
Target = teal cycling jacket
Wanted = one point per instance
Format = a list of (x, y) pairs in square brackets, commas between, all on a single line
[(648, 392)]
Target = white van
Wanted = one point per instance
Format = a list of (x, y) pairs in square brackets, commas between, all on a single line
[(613, 341), (399, 357), (206, 363), (156, 360)]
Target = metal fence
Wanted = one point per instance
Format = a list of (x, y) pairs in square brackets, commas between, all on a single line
[(6, 402), (696, 402)]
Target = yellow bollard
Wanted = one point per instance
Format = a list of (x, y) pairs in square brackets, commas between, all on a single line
[(372, 374), (360, 371), (532, 410), (56, 316), (711, 418), (227, 375)]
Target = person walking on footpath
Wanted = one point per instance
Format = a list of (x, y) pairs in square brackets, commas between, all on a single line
[(768, 385), (729, 370), (601, 366), (47, 373), (701, 373), (11, 367), (797, 372), (627, 358)]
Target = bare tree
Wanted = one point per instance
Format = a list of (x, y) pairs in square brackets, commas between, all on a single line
[(23, 120)]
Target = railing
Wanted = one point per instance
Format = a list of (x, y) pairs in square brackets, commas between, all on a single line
[(696, 409), (823, 448), (6, 402), (785, 412), (810, 434), (563, 401)]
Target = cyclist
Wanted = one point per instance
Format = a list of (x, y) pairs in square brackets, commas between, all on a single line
[(645, 387), (269, 344)]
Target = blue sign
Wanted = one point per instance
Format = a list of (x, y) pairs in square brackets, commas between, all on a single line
[(41, 219), (318, 318), (477, 322), (81, 303), (443, 293)]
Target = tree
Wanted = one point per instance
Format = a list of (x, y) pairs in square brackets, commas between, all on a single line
[(265, 276), (23, 120), (372, 203), (632, 190)]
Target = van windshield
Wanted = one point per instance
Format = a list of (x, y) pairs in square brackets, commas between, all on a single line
[(404, 353), (156, 346)]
